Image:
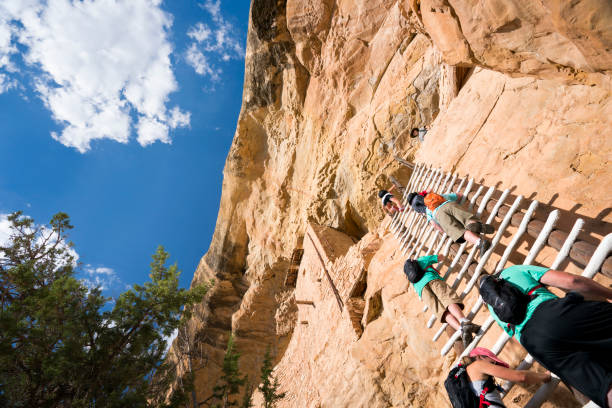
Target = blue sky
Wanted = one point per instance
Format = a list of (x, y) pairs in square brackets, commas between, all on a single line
[(120, 113)]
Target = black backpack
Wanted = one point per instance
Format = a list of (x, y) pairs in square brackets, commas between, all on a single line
[(508, 301), (460, 392), (413, 271), (417, 202)]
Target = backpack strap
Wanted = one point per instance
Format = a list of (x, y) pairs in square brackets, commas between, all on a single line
[(534, 289), (483, 402), (432, 267)]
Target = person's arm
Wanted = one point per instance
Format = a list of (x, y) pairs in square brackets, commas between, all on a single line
[(441, 258), (397, 203), (569, 281), (479, 369)]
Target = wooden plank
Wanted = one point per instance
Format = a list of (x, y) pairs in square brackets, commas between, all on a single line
[(404, 162), (331, 282)]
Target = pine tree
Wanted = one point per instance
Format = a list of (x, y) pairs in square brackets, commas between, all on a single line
[(64, 344), (231, 380), (269, 384), (247, 400)]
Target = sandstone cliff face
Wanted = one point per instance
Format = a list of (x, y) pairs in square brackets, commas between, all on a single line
[(515, 92), (563, 40)]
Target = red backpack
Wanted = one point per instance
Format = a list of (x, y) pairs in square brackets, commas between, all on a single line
[(433, 200)]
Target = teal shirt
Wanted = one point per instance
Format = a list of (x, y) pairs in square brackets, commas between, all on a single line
[(526, 277), (430, 274), (448, 197)]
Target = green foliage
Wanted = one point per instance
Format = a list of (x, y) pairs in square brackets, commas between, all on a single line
[(247, 399), (230, 380), (269, 384), (62, 344)]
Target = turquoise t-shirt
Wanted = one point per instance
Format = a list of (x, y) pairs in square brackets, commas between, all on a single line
[(430, 274), (526, 277), (448, 197)]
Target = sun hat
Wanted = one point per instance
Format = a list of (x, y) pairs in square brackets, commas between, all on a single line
[(481, 351)]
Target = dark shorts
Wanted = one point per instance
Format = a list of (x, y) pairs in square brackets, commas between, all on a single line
[(573, 338)]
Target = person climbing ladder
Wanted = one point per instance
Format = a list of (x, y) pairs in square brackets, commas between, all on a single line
[(570, 336), (390, 204), (438, 296), (472, 382), (447, 216)]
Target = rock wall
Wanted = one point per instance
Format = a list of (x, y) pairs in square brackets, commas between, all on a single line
[(515, 92)]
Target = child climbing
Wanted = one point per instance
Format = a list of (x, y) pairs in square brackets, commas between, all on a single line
[(570, 336), (419, 132), (390, 204), (472, 382), (446, 215), (438, 296)]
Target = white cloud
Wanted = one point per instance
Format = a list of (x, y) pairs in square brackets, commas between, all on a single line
[(6, 46), (178, 118), (100, 277), (200, 32), (199, 62), (103, 62), (5, 230), (218, 42), (214, 8), (6, 83), (150, 130)]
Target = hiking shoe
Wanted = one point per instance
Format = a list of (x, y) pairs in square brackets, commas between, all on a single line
[(469, 327), (487, 229), (483, 246), (467, 332), (466, 338), (480, 228), (474, 227)]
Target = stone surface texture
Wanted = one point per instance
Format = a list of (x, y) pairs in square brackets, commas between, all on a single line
[(517, 94)]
